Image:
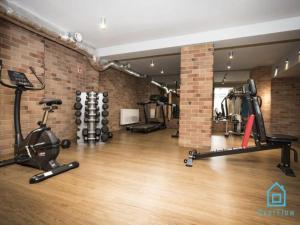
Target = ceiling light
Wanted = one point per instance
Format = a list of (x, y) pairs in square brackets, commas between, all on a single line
[(103, 23), (152, 63), (228, 67), (286, 67), (276, 72), (230, 55), (162, 71)]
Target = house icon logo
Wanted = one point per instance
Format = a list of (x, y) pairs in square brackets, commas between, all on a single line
[(276, 196)]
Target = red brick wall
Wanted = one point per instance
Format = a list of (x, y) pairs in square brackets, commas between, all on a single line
[(262, 76), (124, 92), (286, 106), (196, 96), (64, 71)]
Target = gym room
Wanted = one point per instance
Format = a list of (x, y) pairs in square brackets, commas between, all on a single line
[(149, 112)]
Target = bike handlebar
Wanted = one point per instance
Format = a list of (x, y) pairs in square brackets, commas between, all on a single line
[(25, 87)]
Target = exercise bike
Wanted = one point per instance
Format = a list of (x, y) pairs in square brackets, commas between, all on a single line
[(41, 147)]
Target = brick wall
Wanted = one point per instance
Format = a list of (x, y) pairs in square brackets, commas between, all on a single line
[(262, 76), (196, 96), (286, 106), (124, 92), (64, 71)]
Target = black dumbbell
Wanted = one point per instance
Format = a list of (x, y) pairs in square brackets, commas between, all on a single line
[(104, 137), (105, 94), (85, 132), (98, 131), (105, 100), (78, 99), (78, 121), (104, 113), (78, 92), (77, 106), (104, 122), (105, 106), (77, 113), (104, 129)]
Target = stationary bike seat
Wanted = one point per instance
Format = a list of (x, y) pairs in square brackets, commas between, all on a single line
[(50, 101)]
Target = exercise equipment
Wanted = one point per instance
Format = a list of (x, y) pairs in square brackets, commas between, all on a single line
[(234, 110), (65, 143), (41, 147), (262, 140), (91, 117), (151, 125)]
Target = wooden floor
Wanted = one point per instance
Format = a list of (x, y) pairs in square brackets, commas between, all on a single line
[(141, 179)]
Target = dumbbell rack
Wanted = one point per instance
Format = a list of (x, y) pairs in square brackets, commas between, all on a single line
[(91, 117)]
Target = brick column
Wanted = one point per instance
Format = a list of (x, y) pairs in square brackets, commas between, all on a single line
[(196, 96), (263, 76)]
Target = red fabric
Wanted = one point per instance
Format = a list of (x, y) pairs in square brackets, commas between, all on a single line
[(248, 131)]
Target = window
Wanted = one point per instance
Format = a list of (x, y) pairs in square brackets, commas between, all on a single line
[(219, 94)]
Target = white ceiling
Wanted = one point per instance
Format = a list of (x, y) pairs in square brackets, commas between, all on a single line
[(137, 21)]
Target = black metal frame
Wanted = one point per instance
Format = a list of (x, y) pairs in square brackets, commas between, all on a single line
[(150, 126), (24, 158), (262, 141)]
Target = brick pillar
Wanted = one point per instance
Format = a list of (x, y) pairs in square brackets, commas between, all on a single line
[(263, 76), (196, 96)]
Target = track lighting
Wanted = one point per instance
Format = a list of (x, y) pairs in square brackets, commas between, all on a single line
[(103, 23), (286, 67), (162, 71), (152, 63), (230, 55), (276, 72)]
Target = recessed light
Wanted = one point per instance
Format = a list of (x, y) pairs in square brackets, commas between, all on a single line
[(230, 55), (276, 72), (152, 63), (286, 67), (162, 71), (103, 23), (228, 67)]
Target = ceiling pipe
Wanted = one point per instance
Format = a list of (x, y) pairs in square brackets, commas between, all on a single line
[(122, 68)]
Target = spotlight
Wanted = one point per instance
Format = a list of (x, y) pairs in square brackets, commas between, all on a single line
[(276, 72), (152, 63), (228, 67), (162, 71), (103, 23), (230, 55), (286, 67)]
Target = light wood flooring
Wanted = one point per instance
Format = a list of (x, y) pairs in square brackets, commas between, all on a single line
[(141, 179)]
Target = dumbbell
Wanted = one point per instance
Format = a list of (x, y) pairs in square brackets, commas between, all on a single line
[(77, 92), (104, 129), (104, 122), (105, 94), (104, 113), (77, 106), (97, 131), (85, 132), (78, 99), (104, 137), (105, 106), (78, 121), (77, 113), (105, 100)]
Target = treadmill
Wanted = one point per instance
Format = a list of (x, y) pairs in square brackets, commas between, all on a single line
[(151, 125)]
